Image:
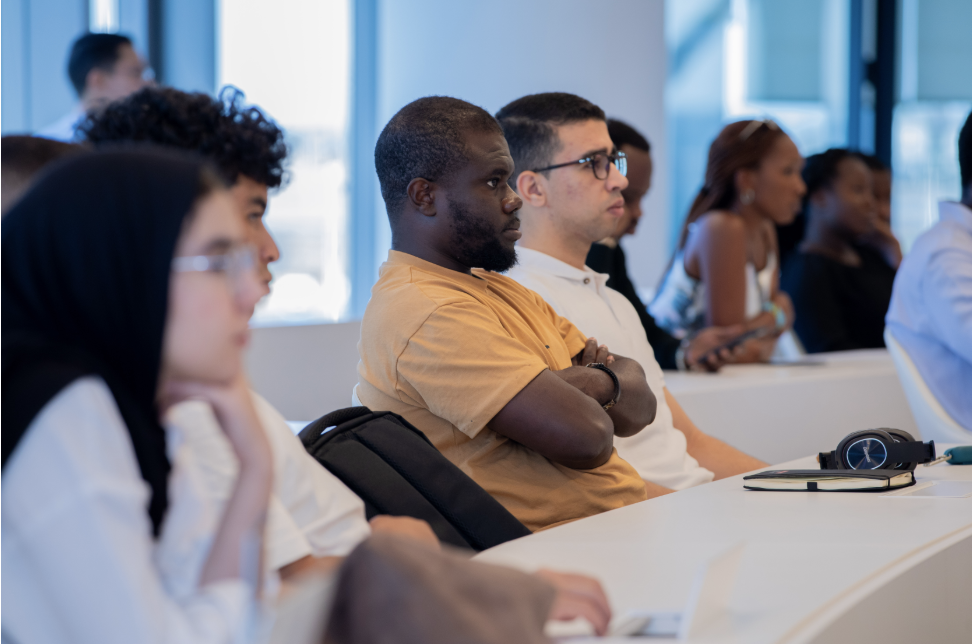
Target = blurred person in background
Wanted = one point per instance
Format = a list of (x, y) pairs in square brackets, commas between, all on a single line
[(313, 516), (102, 68), (840, 286), (21, 158), (607, 256), (127, 285), (931, 307), (567, 207), (725, 270), (882, 237)]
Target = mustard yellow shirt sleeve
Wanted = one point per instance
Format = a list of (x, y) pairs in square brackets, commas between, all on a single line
[(463, 366)]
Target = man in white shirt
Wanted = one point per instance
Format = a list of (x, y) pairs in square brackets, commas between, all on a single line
[(931, 307), (569, 176), (102, 68)]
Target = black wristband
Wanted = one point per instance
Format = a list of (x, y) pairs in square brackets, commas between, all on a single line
[(617, 384)]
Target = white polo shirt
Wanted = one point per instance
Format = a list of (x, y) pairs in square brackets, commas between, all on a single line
[(658, 451)]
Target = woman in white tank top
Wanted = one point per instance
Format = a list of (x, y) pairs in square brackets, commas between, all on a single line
[(725, 270)]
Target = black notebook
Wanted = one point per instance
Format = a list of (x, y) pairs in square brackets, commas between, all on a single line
[(830, 480)]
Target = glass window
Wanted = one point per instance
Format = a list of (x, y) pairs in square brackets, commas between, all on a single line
[(736, 59), (292, 58), (935, 53)]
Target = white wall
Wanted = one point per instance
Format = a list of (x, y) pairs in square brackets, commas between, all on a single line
[(611, 52), (305, 371)]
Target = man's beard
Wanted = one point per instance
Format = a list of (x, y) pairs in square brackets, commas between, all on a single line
[(476, 244)]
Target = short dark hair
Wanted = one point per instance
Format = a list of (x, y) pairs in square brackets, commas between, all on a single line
[(529, 126), (623, 134), (237, 138), (821, 169), (93, 51), (965, 154), (873, 163), (425, 139)]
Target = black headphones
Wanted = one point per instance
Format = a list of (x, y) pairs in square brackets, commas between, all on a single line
[(878, 449)]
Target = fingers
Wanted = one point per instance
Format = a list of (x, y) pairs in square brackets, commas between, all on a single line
[(578, 596), (409, 527), (604, 355), (590, 352)]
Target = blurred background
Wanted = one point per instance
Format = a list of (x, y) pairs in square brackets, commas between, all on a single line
[(889, 77)]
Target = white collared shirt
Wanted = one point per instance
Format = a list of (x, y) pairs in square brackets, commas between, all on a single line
[(658, 451), (79, 561), (65, 128), (311, 512), (931, 309)]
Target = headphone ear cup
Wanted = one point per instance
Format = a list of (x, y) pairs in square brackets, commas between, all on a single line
[(853, 450)]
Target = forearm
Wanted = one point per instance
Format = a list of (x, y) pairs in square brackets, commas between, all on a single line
[(236, 552), (721, 459), (556, 419), (637, 405), (636, 408), (714, 455)]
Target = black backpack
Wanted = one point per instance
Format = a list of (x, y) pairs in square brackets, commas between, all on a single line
[(396, 470)]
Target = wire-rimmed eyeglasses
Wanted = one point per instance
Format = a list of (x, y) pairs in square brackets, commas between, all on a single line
[(235, 263), (600, 162)]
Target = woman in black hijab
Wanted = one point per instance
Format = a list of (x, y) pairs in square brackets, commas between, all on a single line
[(126, 287)]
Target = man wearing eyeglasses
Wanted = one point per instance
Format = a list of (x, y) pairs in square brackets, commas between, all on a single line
[(571, 177), (504, 387)]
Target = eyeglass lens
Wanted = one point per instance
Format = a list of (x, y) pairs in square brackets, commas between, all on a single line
[(602, 164)]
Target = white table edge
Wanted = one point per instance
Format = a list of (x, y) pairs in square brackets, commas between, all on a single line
[(812, 625)]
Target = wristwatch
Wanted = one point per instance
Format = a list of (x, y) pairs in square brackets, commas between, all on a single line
[(617, 384)]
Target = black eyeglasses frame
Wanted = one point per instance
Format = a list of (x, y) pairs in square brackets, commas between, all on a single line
[(618, 159)]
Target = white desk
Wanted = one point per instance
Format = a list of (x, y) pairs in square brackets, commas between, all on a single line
[(780, 413), (818, 567)]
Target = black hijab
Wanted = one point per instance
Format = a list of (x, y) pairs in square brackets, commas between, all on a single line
[(86, 258)]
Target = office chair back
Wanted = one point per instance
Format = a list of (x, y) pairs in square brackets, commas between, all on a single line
[(934, 423), (396, 470)]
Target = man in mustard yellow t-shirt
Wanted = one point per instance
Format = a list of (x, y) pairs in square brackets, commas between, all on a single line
[(505, 388)]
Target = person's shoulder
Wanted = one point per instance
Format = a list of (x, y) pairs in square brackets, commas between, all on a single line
[(622, 305), (523, 278), (533, 291), (717, 231), (721, 223), (79, 433), (86, 397), (507, 282), (802, 266)]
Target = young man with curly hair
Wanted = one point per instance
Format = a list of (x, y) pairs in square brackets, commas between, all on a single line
[(312, 515)]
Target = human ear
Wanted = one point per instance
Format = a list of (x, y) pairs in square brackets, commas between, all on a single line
[(532, 189), (745, 180), (421, 194), (95, 80)]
